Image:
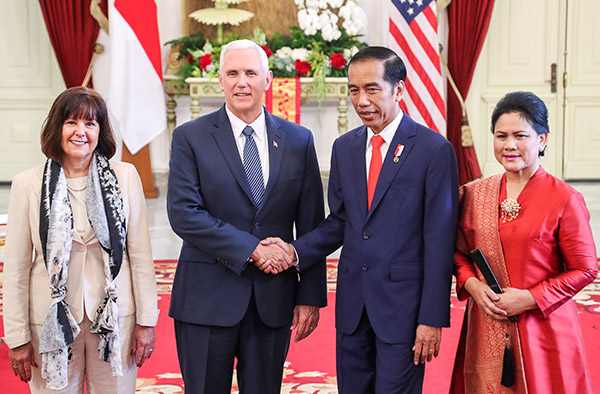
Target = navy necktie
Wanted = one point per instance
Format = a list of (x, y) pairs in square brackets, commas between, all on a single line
[(252, 167)]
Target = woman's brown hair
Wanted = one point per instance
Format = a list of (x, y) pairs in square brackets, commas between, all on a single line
[(77, 103)]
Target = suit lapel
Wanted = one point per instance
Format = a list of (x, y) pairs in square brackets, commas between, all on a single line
[(405, 130), (224, 137), (359, 169), (276, 141)]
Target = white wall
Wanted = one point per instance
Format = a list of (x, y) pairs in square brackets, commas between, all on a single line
[(29, 81)]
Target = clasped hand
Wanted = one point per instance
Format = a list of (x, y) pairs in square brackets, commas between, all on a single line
[(511, 302), (273, 255)]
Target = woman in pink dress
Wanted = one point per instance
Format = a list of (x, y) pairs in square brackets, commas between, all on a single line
[(534, 231)]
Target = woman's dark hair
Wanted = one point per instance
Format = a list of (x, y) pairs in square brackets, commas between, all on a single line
[(395, 70), (531, 108), (77, 103)]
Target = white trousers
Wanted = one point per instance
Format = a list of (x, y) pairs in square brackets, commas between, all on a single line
[(86, 368)]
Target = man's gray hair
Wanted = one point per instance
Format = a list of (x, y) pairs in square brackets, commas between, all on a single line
[(244, 44)]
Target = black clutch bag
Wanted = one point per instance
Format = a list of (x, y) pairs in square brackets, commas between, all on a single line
[(488, 274)]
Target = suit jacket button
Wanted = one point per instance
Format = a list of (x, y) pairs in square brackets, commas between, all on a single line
[(365, 267), (257, 225), (366, 235)]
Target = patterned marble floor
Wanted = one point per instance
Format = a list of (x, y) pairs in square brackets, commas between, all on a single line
[(299, 378)]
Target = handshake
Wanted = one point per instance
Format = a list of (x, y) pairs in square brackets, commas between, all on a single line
[(273, 255)]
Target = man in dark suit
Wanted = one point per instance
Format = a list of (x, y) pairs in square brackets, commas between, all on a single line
[(393, 193), (238, 175)]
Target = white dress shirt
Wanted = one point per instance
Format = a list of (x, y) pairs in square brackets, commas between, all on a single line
[(260, 138), (387, 134)]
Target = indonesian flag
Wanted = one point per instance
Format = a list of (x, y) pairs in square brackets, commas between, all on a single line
[(135, 96)]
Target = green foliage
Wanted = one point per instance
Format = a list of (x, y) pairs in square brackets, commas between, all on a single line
[(278, 41), (317, 61), (188, 43), (301, 40), (195, 47)]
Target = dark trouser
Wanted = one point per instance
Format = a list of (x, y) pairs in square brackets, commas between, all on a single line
[(367, 365), (206, 355)]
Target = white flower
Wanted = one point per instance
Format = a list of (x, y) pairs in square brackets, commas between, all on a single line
[(346, 11), (259, 36), (303, 18), (328, 17), (328, 67), (316, 15), (207, 48), (328, 22), (314, 4), (211, 68), (282, 63), (355, 18), (309, 21), (197, 54), (289, 68), (283, 52), (331, 34), (300, 54), (348, 53), (336, 3), (360, 16)]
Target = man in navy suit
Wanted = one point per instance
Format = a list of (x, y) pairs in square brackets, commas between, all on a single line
[(393, 193), (239, 175)]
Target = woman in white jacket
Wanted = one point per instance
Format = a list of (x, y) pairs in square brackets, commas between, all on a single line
[(80, 301)]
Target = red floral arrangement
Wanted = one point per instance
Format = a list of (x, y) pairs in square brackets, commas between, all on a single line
[(337, 60), (267, 50), (190, 58), (205, 61), (302, 67)]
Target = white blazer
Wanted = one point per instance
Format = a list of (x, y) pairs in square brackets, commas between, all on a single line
[(26, 285)]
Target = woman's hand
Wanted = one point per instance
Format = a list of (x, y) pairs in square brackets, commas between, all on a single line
[(142, 343), (516, 301), (21, 361), (485, 297)]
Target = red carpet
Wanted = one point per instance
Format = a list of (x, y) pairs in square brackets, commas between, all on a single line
[(311, 363)]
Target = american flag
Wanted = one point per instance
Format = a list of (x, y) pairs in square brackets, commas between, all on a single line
[(413, 36)]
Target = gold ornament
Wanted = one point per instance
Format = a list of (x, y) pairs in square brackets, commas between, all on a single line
[(510, 209)]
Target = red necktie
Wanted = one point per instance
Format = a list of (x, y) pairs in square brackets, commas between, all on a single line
[(374, 167)]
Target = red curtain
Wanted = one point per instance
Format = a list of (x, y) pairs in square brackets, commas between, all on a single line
[(468, 22), (73, 32)]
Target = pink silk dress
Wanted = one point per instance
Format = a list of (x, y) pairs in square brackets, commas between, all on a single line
[(549, 250)]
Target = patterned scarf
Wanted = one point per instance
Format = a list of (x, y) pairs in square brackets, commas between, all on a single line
[(481, 347), (104, 207)]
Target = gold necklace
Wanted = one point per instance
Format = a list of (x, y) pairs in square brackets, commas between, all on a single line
[(510, 209)]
